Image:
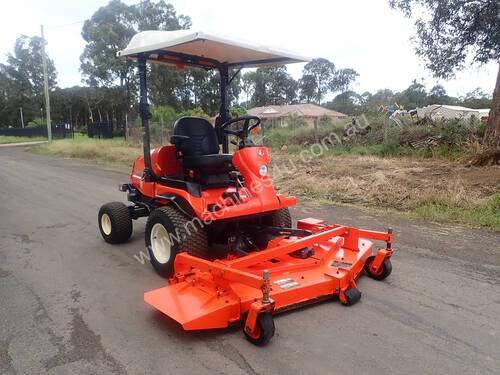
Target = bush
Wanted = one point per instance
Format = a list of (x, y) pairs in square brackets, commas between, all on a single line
[(237, 111), (83, 130)]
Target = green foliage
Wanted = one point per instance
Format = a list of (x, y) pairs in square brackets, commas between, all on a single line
[(237, 111), (21, 81), (320, 77), (8, 139), (271, 85), (83, 130), (163, 113), (487, 214), (198, 112), (450, 31)]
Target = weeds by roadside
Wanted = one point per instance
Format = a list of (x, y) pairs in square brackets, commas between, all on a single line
[(8, 139), (436, 189)]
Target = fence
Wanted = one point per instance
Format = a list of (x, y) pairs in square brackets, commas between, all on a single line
[(159, 132), (59, 131), (100, 129), (105, 129)]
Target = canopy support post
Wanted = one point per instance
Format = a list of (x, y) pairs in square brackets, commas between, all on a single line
[(145, 116), (224, 110)]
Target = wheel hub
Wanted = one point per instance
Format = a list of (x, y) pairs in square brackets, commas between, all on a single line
[(160, 243), (106, 224)]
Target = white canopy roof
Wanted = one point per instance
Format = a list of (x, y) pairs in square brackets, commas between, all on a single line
[(195, 48)]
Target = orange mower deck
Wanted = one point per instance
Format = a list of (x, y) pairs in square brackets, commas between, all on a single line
[(215, 294)]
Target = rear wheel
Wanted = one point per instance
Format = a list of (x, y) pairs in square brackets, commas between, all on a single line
[(280, 218), (384, 270), (169, 232), (115, 223)]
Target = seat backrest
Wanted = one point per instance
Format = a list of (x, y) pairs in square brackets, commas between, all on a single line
[(202, 138)]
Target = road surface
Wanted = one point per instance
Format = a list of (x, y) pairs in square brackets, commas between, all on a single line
[(72, 304)]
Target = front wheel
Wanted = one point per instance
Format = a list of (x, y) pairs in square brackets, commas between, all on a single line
[(115, 223), (264, 329), (384, 270), (169, 232), (279, 218)]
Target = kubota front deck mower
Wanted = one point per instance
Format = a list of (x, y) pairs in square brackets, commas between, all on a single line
[(216, 227)]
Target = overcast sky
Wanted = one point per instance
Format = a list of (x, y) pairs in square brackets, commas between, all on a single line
[(365, 35)]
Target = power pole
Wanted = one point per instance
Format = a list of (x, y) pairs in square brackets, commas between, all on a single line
[(46, 88), (22, 118)]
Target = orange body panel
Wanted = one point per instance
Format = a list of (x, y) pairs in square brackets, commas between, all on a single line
[(206, 294), (257, 196)]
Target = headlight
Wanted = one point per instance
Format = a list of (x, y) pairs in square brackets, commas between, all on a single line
[(263, 170)]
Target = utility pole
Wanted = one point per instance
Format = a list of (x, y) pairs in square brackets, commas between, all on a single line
[(22, 118), (46, 88)]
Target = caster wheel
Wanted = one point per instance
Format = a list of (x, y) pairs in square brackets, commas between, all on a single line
[(352, 296), (384, 270), (264, 329)]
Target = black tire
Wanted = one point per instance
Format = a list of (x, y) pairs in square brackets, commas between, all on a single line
[(280, 218), (352, 296), (181, 237), (265, 323), (385, 269), (117, 222)]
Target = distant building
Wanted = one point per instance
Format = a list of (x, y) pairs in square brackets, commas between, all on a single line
[(307, 112), (448, 112)]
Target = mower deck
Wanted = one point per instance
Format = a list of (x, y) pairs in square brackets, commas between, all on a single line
[(205, 294)]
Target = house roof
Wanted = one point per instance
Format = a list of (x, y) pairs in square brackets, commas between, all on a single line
[(302, 110), (199, 48)]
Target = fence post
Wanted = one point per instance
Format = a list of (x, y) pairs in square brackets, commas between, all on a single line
[(386, 129)]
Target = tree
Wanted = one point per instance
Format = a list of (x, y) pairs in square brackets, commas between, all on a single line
[(271, 85), (348, 102), (248, 86), (438, 95), (317, 79), (414, 96), (452, 32), (320, 77), (110, 29), (23, 77)]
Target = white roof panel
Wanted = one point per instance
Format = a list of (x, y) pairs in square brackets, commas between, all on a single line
[(168, 46)]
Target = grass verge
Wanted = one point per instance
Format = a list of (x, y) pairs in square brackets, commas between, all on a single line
[(4, 139), (433, 189), (108, 152)]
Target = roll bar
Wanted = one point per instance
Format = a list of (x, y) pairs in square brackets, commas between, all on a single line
[(145, 113)]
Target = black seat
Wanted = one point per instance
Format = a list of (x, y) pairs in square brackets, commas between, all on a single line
[(197, 146)]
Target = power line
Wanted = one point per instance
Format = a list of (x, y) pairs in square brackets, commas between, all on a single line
[(64, 25)]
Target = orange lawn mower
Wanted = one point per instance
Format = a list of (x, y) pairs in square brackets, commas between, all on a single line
[(216, 227)]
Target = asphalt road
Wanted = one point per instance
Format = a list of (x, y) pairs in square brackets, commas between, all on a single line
[(70, 303)]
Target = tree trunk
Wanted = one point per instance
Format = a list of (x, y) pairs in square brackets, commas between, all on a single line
[(492, 132)]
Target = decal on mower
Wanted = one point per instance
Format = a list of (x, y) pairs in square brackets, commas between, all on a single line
[(338, 264), (287, 283)]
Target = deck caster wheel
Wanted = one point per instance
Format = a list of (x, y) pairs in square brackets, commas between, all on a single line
[(384, 270), (352, 296), (115, 223), (264, 329)]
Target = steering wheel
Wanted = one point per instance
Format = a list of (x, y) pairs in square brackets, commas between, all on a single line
[(243, 132)]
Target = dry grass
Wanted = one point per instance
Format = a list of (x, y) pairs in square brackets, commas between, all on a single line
[(4, 139), (430, 188), (434, 189), (111, 152)]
